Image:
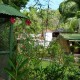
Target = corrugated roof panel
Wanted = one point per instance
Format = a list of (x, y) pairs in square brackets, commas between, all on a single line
[(69, 36), (9, 10)]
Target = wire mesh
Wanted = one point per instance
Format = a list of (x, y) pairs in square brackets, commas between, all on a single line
[(3, 65), (4, 37), (4, 47)]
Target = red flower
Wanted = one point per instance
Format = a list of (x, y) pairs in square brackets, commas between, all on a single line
[(12, 20), (28, 22)]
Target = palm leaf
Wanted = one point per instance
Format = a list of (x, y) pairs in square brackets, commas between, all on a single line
[(22, 64), (12, 64), (10, 73), (23, 72)]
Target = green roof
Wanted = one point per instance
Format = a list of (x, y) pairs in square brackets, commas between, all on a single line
[(10, 11), (70, 36)]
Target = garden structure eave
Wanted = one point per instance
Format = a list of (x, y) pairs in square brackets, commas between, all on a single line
[(71, 36), (7, 11)]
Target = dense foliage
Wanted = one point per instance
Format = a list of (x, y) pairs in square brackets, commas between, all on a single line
[(41, 20), (70, 10), (15, 3), (29, 59), (28, 65)]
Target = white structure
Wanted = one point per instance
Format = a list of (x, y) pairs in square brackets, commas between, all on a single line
[(44, 42), (48, 38)]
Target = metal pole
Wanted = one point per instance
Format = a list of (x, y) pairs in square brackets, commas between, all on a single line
[(11, 40)]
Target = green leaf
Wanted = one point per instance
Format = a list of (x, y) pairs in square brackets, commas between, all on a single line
[(23, 72), (12, 64), (10, 73), (22, 64)]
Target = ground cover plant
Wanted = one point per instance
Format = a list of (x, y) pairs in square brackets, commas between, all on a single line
[(31, 66)]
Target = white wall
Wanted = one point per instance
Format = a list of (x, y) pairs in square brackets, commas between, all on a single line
[(48, 36)]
